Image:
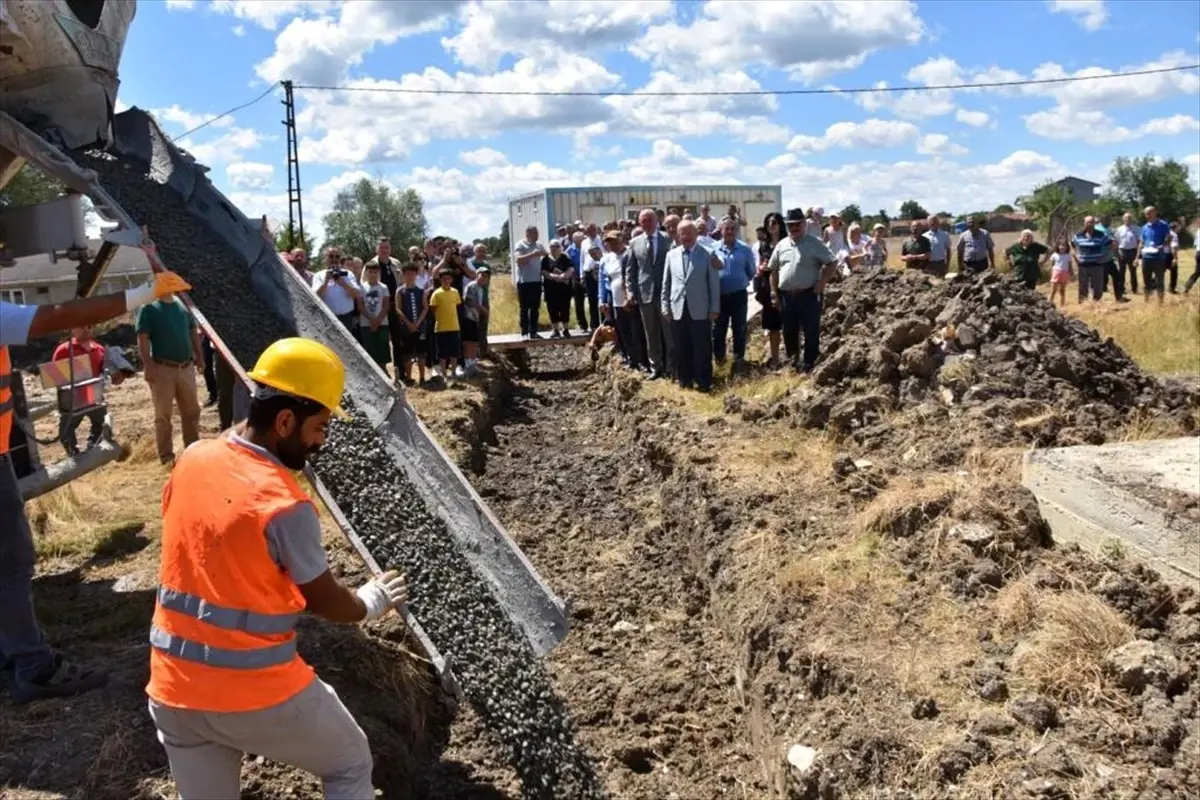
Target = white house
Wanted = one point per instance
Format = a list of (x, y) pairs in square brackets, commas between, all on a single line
[(41, 279)]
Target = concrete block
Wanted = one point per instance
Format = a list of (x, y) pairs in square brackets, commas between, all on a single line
[(1142, 494)]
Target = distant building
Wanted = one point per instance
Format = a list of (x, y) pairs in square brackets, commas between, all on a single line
[(1081, 191), (40, 279)]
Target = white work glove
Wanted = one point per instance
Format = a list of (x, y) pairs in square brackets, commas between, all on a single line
[(164, 283), (384, 593)]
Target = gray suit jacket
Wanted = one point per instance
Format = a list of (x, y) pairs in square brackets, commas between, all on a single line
[(643, 280), (692, 281)]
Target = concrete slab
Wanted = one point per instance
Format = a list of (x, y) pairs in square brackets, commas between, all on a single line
[(1145, 495)]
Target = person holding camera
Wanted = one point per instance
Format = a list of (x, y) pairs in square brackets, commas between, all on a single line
[(339, 290)]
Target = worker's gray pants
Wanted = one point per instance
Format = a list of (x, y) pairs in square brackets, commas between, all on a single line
[(312, 731), (1091, 279), (658, 338)]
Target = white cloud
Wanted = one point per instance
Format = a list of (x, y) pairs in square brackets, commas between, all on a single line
[(473, 203), (412, 120), (180, 5), (939, 144), (239, 30), (250, 175), (483, 157), (976, 119), (1192, 162), (269, 13), (873, 134), (494, 29), (808, 39), (1063, 123), (1090, 14), (648, 114), (227, 147), (185, 120), (321, 49)]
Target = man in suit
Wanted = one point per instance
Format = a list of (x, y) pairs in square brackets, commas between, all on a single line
[(691, 300), (643, 274)]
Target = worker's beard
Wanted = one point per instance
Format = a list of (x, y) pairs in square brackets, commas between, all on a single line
[(293, 453)]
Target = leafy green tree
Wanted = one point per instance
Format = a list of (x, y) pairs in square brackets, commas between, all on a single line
[(503, 244), (369, 209), (287, 238), (851, 214), (911, 209), (1003, 208), (883, 217), (28, 187), (1134, 183), (1048, 200)]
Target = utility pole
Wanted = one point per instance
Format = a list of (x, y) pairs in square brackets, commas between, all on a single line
[(295, 203)]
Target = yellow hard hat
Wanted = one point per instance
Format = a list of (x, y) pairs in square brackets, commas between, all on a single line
[(303, 368)]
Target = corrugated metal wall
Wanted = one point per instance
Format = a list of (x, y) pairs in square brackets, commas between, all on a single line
[(568, 205)]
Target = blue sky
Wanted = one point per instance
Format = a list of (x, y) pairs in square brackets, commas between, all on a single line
[(189, 60)]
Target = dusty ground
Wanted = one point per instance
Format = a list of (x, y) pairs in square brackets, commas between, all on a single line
[(885, 595)]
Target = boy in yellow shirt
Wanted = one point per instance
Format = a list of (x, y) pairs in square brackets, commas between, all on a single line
[(444, 302)]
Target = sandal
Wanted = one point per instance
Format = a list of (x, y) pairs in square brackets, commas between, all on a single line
[(67, 679)]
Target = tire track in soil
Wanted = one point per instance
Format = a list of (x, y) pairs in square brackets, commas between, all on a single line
[(588, 487)]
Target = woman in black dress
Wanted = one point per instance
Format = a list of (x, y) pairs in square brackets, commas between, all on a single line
[(557, 275), (772, 318)]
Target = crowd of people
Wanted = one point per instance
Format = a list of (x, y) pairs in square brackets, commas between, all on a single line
[(429, 312)]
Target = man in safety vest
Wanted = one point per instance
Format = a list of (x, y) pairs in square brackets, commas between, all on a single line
[(37, 671), (241, 561)]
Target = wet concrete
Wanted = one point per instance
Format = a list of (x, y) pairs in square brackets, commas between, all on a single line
[(1145, 496)]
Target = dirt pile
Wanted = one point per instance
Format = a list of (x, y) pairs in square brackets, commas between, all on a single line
[(976, 361)]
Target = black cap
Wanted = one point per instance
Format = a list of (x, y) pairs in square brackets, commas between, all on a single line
[(794, 215)]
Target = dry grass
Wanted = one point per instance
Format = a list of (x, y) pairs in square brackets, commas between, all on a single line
[(503, 308), (1070, 635), (1163, 339), (908, 505)]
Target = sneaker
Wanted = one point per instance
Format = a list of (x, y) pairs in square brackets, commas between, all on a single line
[(533, 336), (68, 679), (556, 335), (210, 402), (459, 372)]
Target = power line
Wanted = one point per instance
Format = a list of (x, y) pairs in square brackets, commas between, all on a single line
[(233, 110), (745, 93)]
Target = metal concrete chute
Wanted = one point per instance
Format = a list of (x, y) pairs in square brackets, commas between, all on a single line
[(529, 602)]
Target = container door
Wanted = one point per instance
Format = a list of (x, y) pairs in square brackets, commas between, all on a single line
[(753, 213), (597, 215)]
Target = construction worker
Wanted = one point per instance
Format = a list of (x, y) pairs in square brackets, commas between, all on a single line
[(241, 560), (37, 670)]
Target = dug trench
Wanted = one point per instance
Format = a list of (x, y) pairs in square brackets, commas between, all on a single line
[(765, 605)]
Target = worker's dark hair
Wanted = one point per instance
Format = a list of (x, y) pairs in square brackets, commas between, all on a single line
[(263, 412)]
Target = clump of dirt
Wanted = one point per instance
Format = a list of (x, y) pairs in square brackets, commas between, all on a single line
[(972, 362), (743, 588)]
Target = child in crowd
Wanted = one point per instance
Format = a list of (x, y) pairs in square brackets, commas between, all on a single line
[(1060, 271), (410, 306), (444, 302), (474, 316), (373, 308)]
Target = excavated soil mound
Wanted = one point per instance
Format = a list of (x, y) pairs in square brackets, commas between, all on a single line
[(975, 361)]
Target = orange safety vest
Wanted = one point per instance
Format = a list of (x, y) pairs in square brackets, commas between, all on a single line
[(223, 637), (6, 400)]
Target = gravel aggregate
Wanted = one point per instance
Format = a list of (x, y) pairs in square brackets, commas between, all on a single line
[(499, 673)]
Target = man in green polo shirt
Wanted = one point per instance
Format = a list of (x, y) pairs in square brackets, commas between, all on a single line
[(1026, 258), (169, 343)]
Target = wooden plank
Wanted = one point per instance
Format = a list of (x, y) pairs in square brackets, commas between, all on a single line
[(514, 341)]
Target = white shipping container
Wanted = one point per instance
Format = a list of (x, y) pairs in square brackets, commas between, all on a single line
[(550, 208)]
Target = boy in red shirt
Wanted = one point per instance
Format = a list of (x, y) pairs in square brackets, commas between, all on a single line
[(81, 343)]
